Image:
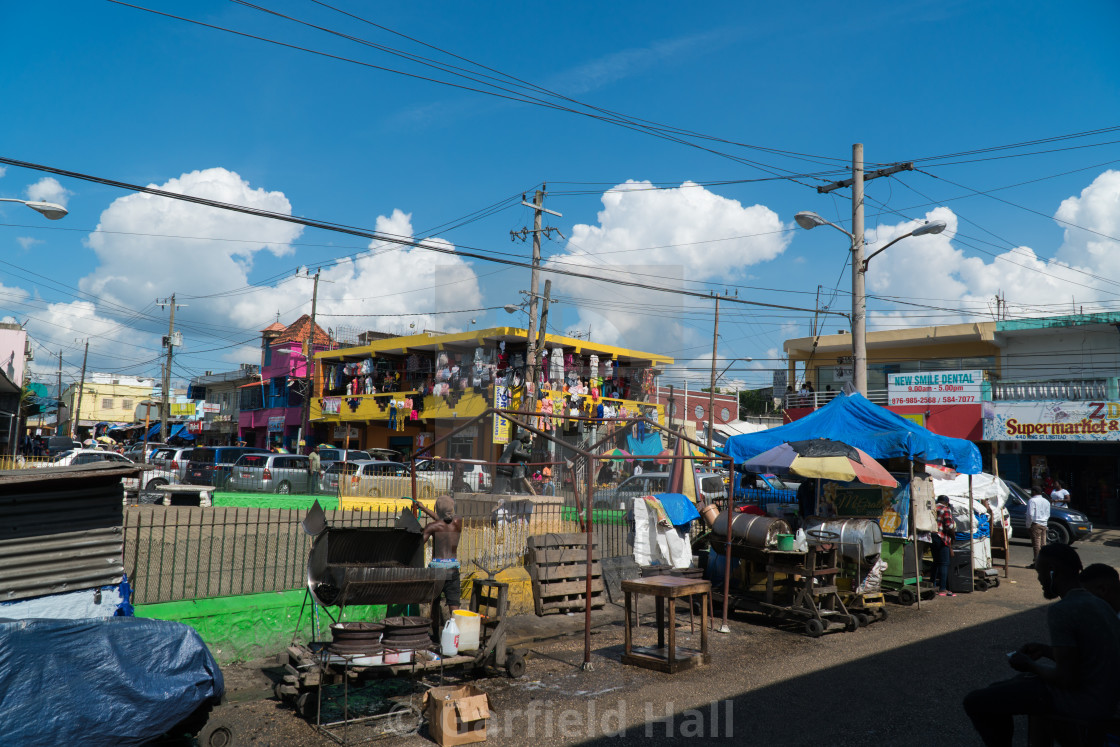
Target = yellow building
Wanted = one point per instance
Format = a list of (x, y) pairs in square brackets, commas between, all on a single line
[(105, 398), (401, 393)]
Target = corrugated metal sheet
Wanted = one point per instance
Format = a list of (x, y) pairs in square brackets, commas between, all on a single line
[(60, 530)]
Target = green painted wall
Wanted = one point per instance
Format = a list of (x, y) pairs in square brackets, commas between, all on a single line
[(272, 500), (256, 625)]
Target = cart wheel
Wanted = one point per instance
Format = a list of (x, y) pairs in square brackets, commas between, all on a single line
[(852, 623), (216, 734), (515, 665), (907, 597), (863, 619), (307, 705), (813, 628), (882, 613), (993, 582)]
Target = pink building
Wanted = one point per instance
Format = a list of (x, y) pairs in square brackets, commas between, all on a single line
[(271, 411)]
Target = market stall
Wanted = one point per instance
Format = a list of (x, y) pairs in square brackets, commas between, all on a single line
[(906, 513)]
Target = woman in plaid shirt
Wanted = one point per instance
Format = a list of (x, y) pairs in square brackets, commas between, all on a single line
[(942, 546)]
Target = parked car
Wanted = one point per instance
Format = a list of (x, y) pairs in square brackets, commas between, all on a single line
[(271, 473), (375, 479), (328, 455), (441, 474), (763, 489), (150, 479), (1065, 527), (210, 465), (171, 458), (58, 444), (650, 483)]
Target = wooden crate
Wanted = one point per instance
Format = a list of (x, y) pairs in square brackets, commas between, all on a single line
[(557, 566)]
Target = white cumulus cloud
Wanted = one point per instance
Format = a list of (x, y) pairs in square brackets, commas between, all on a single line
[(48, 189)]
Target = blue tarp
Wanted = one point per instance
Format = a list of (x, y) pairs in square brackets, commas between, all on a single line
[(651, 445), (101, 681), (678, 508), (178, 430), (857, 422)]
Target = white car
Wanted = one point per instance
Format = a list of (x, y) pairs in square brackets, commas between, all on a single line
[(151, 479), (440, 473)]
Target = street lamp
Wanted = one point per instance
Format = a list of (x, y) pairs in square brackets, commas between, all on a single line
[(49, 209), (809, 220)]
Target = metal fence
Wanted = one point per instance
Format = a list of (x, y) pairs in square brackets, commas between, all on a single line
[(181, 553)]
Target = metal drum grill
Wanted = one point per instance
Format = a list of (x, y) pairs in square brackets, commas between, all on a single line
[(751, 534), (369, 565)]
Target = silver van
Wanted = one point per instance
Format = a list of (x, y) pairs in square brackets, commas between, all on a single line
[(271, 473), (173, 459)]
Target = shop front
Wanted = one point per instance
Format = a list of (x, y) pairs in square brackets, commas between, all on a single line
[(1076, 442)]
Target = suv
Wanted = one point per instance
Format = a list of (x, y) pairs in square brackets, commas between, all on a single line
[(210, 465), (58, 444), (172, 458), (1064, 528), (328, 455), (440, 473), (375, 479), (271, 473)]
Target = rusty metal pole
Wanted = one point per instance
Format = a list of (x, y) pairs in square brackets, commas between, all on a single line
[(590, 560), (727, 555), (412, 474)]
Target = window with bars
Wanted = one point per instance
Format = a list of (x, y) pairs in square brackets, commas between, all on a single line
[(106, 403)]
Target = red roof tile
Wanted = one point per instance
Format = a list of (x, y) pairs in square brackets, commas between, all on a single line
[(297, 332)]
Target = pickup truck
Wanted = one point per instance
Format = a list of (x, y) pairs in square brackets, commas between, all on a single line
[(760, 489)]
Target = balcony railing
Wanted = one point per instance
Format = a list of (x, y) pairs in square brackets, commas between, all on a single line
[(1083, 389), (820, 399)]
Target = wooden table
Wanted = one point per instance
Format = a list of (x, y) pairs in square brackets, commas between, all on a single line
[(667, 588)]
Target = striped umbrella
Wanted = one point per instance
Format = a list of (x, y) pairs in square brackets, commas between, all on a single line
[(824, 459)]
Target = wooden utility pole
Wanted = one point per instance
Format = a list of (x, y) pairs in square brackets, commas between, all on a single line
[(308, 364), (81, 390), (165, 407), (533, 351), (712, 385), (544, 319)]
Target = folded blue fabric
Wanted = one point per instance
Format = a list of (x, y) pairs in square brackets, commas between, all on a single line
[(678, 508)]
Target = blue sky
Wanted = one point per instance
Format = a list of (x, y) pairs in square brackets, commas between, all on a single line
[(116, 92)]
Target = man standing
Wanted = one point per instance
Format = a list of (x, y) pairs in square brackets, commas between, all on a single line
[(1059, 496), (1084, 647), (315, 466), (1038, 515), (445, 529)]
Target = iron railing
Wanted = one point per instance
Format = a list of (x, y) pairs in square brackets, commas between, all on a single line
[(1083, 389)]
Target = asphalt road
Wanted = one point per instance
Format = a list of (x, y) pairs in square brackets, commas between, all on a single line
[(899, 681)]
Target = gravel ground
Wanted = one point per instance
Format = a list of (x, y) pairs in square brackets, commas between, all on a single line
[(899, 681)]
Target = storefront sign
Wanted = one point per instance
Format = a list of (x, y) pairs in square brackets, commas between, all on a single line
[(842, 374), (1052, 420), (340, 432), (849, 501), (502, 401), (918, 418), (276, 424), (211, 407), (195, 426), (181, 409), (331, 405), (934, 388)]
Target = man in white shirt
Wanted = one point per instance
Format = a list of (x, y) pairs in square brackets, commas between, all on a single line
[(1059, 496), (1038, 515)]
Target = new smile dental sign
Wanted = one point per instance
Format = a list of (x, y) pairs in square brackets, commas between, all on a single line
[(934, 388)]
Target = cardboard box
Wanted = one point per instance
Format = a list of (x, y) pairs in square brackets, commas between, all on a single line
[(456, 714)]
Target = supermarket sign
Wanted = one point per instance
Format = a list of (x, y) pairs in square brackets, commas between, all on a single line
[(1052, 420), (934, 388)]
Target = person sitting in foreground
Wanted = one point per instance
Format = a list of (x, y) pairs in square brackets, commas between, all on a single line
[(1103, 581), (1084, 647)]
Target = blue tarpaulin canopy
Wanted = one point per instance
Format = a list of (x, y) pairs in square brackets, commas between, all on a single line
[(857, 422), (178, 430), (650, 446)]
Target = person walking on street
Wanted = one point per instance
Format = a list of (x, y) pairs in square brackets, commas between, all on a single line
[(1038, 515), (942, 547), (315, 466), (1059, 496), (1079, 683)]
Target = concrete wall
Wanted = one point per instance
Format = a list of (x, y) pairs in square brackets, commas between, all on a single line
[(1062, 353)]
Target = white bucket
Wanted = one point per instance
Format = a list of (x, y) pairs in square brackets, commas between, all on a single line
[(393, 656), (469, 624)]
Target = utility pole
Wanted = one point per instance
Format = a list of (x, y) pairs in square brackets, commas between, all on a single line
[(532, 356), (712, 384), (81, 390), (308, 364), (859, 298), (165, 407), (544, 318)]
